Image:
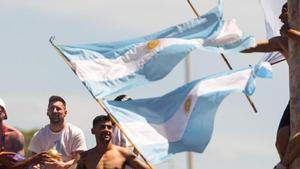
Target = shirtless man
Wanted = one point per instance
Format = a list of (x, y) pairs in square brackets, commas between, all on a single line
[(287, 148), (106, 155), (11, 139)]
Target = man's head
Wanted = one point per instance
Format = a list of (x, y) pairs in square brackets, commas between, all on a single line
[(284, 14), (56, 110), (102, 128), (3, 114)]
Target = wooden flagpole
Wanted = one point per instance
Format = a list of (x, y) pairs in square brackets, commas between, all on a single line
[(225, 60), (100, 102)]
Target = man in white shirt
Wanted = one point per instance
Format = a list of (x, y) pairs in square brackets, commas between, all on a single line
[(67, 139)]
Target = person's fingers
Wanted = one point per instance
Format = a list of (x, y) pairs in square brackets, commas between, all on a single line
[(4, 153), (47, 159), (48, 162)]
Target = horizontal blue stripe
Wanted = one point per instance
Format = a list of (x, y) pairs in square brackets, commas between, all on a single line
[(243, 43)]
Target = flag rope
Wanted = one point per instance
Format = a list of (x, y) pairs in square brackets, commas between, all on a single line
[(225, 60), (104, 108)]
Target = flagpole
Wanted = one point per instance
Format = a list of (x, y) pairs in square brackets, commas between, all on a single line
[(225, 60), (100, 102), (187, 80)]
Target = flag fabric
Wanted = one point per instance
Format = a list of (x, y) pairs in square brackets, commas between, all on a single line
[(107, 68), (183, 119), (272, 10)]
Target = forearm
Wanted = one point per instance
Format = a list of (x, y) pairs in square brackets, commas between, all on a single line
[(294, 35), (22, 164), (261, 46)]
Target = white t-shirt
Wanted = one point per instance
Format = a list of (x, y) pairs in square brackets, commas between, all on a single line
[(69, 140)]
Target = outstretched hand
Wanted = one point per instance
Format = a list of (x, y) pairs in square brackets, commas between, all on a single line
[(40, 158)]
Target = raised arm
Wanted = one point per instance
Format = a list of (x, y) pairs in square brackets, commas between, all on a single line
[(271, 45), (134, 162), (35, 159), (290, 33)]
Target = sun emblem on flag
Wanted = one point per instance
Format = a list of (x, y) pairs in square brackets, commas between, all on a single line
[(153, 44), (187, 106)]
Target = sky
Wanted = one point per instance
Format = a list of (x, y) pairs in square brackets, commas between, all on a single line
[(31, 71)]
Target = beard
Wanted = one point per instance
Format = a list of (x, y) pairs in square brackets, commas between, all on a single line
[(3, 116), (55, 119)]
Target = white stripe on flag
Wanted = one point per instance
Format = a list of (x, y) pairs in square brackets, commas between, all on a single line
[(236, 80), (133, 60)]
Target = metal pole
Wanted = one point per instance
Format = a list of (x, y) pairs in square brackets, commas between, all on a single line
[(187, 80), (294, 71)]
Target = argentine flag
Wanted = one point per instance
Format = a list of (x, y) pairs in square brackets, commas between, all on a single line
[(183, 119), (107, 68)]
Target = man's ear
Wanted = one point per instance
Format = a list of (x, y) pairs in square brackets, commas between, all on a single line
[(92, 131)]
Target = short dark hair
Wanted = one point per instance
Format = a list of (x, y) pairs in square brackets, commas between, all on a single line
[(100, 118), (285, 5), (56, 99), (122, 97)]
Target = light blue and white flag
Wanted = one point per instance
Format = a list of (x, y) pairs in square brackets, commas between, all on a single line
[(182, 120), (106, 68)]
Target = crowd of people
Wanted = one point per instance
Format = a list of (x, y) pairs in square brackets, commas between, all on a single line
[(61, 145)]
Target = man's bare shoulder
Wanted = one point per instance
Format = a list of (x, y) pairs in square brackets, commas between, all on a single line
[(123, 150), (13, 132), (126, 152), (87, 153)]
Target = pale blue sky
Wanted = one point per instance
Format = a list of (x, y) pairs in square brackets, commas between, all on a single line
[(31, 70)]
